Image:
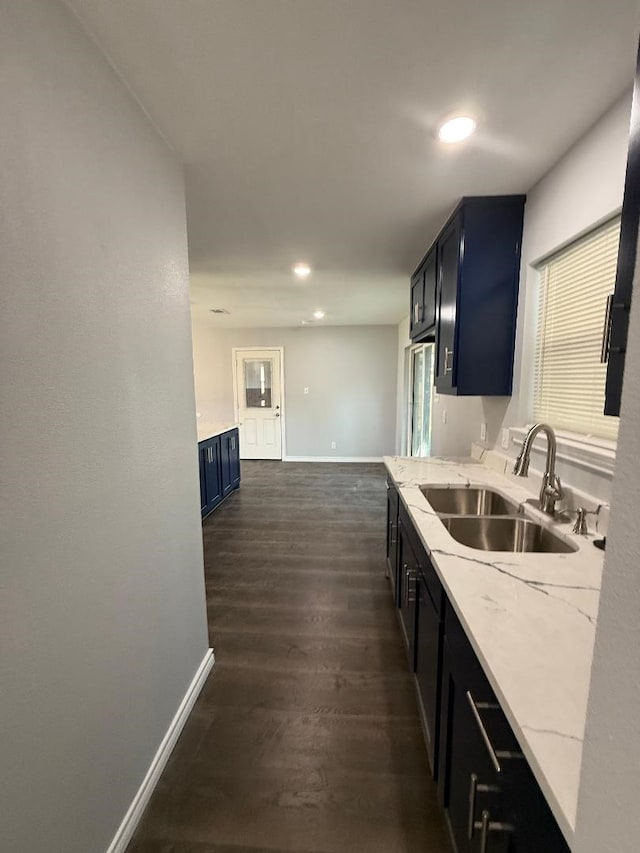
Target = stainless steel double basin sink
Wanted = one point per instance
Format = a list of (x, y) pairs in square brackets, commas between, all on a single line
[(483, 519)]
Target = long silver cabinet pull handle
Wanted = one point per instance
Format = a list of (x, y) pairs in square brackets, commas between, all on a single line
[(494, 755), (447, 353)]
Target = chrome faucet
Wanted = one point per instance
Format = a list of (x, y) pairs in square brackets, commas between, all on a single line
[(551, 489)]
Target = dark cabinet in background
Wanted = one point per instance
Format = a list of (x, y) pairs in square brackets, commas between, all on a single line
[(203, 460), (429, 656), (213, 474), (448, 264), (475, 263), (408, 570), (229, 461), (617, 321), (219, 462), (392, 539), (423, 299)]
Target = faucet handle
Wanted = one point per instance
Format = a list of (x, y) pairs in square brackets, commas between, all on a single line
[(581, 522), (557, 485)]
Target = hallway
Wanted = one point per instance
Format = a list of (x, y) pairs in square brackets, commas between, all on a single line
[(306, 736)]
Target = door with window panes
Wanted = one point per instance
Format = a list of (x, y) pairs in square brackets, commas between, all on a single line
[(258, 394)]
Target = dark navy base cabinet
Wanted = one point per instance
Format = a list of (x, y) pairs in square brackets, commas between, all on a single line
[(219, 459), (462, 720)]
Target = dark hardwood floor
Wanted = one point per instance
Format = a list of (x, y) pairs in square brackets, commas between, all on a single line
[(306, 737)]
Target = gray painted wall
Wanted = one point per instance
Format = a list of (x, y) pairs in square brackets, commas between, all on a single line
[(103, 623), (608, 816), (350, 372)]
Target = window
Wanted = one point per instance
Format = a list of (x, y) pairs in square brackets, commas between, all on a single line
[(569, 375)]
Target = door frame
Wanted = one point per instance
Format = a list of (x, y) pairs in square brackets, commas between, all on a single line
[(409, 355), (236, 406)]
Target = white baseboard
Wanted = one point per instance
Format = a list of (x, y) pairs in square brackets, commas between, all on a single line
[(332, 458), (130, 821)]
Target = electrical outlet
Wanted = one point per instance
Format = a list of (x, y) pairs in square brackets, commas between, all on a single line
[(483, 432), (333, 445), (306, 390), (505, 439), (444, 416)]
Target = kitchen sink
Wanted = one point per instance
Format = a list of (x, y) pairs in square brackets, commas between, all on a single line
[(505, 534), (468, 501)]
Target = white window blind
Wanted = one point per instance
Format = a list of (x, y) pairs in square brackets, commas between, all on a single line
[(569, 378)]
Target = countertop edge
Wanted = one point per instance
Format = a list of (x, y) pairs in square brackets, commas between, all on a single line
[(211, 431)]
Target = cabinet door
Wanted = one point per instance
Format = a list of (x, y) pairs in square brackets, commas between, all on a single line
[(234, 459), (417, 303), (428, 667), (469, 783), (534, 826), (448, 266), (202, 464), (430, 289), (213, 478), (225, 463), (392, 540), (621, 300), (407, 584)]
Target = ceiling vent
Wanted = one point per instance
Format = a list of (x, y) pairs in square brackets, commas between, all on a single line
[(220, 311)]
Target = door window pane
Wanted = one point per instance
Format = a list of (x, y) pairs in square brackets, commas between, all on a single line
[(257, 384)]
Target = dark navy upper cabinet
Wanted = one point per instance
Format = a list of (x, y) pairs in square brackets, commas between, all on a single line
[(620, 303), (448, 264), (476, 263), (423, 299), (219, 459)]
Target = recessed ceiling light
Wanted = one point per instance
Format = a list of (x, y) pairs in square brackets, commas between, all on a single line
[(318, 315), (456, 129), (302, 270)]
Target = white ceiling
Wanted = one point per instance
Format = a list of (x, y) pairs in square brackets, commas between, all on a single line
[(307, 129)]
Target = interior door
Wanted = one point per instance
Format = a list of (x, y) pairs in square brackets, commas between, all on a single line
[(258, 392)]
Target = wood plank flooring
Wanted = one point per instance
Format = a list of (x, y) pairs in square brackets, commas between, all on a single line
[(306, 737)]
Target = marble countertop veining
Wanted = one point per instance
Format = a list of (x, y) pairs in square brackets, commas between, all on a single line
[(206, 431), (530, 617)]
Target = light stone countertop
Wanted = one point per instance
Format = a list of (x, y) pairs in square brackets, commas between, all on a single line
[(530, 617), (207, 431)]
